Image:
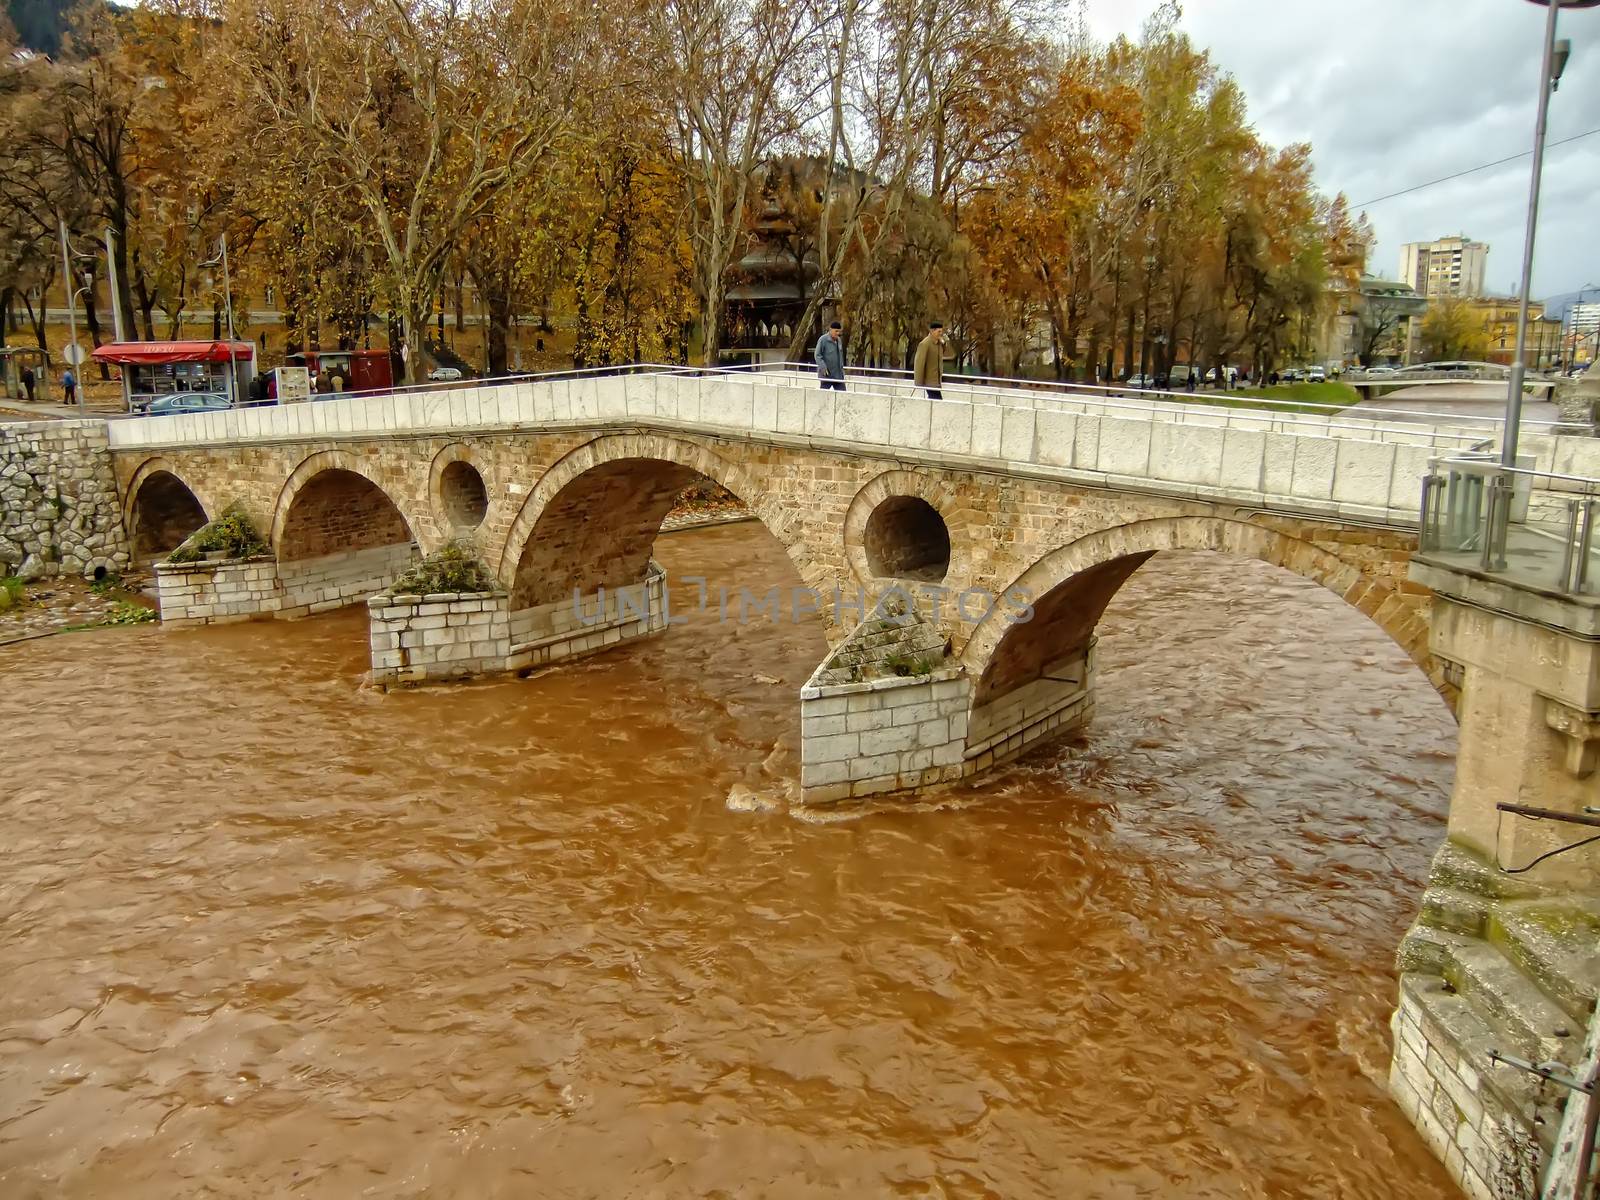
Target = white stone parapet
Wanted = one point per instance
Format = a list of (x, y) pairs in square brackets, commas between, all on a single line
[(1338, 465)]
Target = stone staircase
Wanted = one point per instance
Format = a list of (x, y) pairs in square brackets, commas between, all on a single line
[(1491, 964)]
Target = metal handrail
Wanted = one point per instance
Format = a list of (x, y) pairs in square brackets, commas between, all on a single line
[(1186, 400), (1470, 509)]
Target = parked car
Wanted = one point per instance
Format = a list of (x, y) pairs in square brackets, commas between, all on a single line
[(444, 374), (1291, 375), (1379, 372), (1141, 382), (1232, 374), (1316, 375), (187, 402)]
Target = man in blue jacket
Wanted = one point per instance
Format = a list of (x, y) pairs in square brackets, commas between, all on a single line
[(830, 358)]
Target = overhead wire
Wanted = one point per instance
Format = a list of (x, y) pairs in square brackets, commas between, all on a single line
[(1499, 162)]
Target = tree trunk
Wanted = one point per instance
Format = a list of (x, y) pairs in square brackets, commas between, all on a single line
[(124, 298), (711, 323), (499, 307)]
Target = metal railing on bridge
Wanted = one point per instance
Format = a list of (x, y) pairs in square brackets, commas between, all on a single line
[(1534, 527)]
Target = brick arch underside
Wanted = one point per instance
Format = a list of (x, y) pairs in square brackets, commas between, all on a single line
[(338, 512), (598, 530), (1072, 586), (593, 519), (162, 512)]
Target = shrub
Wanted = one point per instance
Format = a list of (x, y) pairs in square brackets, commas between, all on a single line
[(12, 594), (450, 570), (231, 532)]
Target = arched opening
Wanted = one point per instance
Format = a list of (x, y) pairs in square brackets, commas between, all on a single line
[(906, 538), (598, 531), (736, 640), (165, 512), (340, 540), (1035, 677), (463, 495)]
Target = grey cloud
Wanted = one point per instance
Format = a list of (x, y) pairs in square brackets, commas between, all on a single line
[(1394, 93)]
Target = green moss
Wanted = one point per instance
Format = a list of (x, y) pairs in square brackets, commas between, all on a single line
[(12, 593), (448, 571), (232, 532)]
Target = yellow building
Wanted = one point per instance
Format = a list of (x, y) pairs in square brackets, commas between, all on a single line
[(1498, 315)]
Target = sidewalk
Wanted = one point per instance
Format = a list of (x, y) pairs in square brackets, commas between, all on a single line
[(22, 410)]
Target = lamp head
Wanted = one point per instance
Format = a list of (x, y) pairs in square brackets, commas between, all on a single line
[(1558, 62)]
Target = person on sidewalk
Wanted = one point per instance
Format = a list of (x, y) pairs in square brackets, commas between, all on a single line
[(830, 358), (928, 371), (27, 383), (69, 385)]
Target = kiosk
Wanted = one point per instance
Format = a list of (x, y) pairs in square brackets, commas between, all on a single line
[(194, 374)]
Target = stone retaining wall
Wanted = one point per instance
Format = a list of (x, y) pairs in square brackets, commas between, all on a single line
[(565, 628), (1059, 701), (59, 512), (331, 581), (420, 638)]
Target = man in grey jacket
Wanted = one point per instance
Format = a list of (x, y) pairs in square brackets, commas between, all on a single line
[(830, 358)]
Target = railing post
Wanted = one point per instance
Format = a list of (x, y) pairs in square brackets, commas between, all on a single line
[(1567, 551), (1585, 544), (1427, 531)]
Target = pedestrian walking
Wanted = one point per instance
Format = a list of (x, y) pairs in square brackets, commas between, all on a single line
[(69, 385), (27, 383), (928, 370), (830, 357), (1193, 375)]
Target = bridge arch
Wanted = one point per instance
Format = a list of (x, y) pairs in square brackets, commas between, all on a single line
[(160, 508), (908, 525), (592, 518), (330, 504), (1070, 587)]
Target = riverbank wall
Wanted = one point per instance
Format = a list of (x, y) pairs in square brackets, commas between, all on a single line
[(59, 510)]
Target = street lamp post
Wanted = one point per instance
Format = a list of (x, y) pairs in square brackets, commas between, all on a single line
[(1572, 353), (227, 286), (1553, 64)]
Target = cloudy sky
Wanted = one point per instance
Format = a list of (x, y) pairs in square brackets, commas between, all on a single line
[(1392, 93)]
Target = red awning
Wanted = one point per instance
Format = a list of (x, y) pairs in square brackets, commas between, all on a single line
[(174, 352)]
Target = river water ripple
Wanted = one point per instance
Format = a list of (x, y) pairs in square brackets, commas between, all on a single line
[(267, 933)]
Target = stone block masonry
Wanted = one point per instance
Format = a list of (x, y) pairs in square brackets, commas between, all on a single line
[(575, 627), (885, 735), (217, 593), (416, 639), (59, 511)]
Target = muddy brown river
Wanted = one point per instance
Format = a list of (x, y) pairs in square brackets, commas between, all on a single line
[(266, 933)]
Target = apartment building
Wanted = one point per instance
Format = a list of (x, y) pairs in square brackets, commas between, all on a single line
[(1450, 266)]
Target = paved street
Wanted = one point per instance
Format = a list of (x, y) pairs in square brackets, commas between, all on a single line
[(1465, 399)]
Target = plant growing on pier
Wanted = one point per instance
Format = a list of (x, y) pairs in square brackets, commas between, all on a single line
[(232, 533), (449, 571)]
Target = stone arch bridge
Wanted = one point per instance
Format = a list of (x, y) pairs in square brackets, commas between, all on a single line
[(967, 513)]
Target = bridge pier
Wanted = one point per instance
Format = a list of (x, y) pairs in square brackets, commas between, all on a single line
[(890, 712), (416, 638), (1502, 956)]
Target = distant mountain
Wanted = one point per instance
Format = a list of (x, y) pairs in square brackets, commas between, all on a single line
[(1557, 306)]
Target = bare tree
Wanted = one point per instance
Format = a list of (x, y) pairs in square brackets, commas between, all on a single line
[(422, 113), (735, 76)]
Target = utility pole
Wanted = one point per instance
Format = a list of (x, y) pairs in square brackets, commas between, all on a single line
[(111, 275), (227, 286)]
